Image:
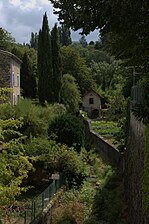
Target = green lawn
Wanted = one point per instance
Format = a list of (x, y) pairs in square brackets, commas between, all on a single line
[(107, 129)]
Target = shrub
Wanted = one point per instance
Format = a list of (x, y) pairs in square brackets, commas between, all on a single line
[(36, 118), (57, 158), (68, 130)]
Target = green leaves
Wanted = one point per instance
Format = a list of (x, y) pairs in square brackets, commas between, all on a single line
[(68, 130), (14, 165), (70, 94), (5, 39), (125, 22), (74, 65), (13, 169)]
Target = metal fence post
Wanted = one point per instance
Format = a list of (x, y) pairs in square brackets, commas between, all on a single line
[(42, 200)]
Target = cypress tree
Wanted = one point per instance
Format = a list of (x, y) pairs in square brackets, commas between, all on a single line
[(65, 35), (27, 79), (45, 63), (56, 63), (34, 40)]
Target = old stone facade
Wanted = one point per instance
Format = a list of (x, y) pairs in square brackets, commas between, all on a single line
[(10, 74), (92, 103)]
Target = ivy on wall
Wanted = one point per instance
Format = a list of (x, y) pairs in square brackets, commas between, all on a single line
[(146, 171)]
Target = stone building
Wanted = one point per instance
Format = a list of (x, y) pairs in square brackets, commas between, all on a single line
[(92, 103), (10, 74)]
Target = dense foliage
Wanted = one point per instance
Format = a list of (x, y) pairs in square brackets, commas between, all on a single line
[(14, 164), (45, 72), (28, 154), (64, 35), (68, 129), (56, 65), (98, 200), (125, 23), (70, 94), (27, 80), (6, 40), (74, 65)]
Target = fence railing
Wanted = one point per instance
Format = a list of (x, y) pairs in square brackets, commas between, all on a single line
[(41, 201)]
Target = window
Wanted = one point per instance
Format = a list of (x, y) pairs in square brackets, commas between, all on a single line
[(12, 79), (18, 81), (91, 100)]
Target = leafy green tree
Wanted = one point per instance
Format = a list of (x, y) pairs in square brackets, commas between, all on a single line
[(68, 130), (65, 35), (45, 63), (70, 94), (75, 65), (57, 158), (83, 41), (90, 54), (36, 118), (56, 64), (125, 21), (103, 73), (17, 51), (91, 43), (27, 78), (117, 103), (4, 95), (6, 40), (14, 165)]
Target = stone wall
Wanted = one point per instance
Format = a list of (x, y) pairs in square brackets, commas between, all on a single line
[(108, 152), (131, 165), (10, 74), (4, 70), (133, 172)]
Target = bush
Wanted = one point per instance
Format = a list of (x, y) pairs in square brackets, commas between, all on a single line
[(57, 158), (37, 118), (68, 130), (6, 111)]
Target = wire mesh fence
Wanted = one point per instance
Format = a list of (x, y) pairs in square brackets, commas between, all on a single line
[(41, 201)]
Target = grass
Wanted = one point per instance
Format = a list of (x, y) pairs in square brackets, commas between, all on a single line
[(107, 129)]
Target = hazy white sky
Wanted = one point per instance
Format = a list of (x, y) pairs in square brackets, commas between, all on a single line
[(21, 17)]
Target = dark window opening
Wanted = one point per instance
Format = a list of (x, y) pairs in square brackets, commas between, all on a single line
[(91, 100)]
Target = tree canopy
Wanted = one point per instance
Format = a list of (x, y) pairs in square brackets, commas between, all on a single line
[(5, 39), (126, 23), (65, 35), (74, 65), (70, 94)]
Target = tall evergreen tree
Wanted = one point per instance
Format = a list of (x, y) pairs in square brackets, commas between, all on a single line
[(34, 40), (56, 63), (45, 63), (83, 41), (27, 80), (65, 35)]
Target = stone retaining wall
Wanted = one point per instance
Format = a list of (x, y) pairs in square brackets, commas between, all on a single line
[(133, 172), (131, 165), (109, 153)]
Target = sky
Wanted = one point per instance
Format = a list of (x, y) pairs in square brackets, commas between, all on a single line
[(21, 17)]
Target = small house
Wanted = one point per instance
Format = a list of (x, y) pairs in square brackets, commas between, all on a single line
[(92, 103), (10, 74)]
